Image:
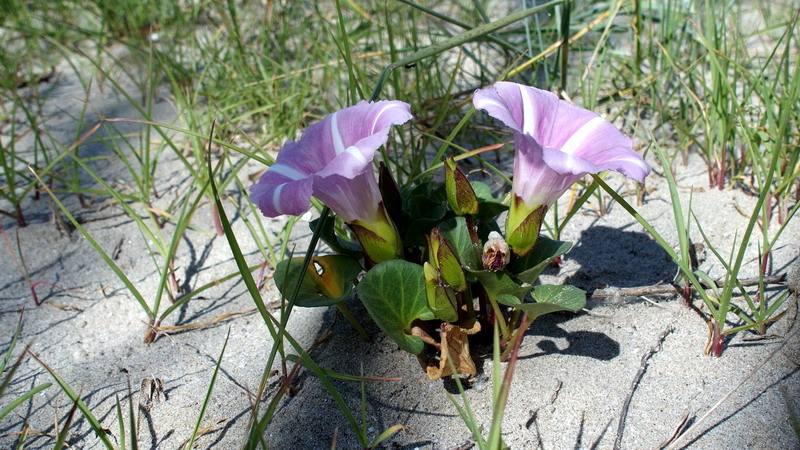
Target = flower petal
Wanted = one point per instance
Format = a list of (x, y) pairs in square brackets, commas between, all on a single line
[(535, 181), (574, 140), (356, 198), (340, 145), (276, 194), (567, 164), (355, 133), (532, 111)]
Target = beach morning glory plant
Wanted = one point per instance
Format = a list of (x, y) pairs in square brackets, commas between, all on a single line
[(556, 144), (438, 267)]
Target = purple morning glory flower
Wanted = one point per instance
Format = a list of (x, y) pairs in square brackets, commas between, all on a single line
[(557, 143), (333, 162)]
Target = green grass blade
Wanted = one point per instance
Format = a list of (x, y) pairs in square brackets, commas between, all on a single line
[(185, 298), (355, 87), (132, 420), (22, 399), (177, 236), (120, 422), (85, 411), (11, 347), (262, 158), (684, 265), (23, 437), (108, 260), (62, 435), (323, 377), (387, 433), (459, 39), (259, 427), (208, 393)]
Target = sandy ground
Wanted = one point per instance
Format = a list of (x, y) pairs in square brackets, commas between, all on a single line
[(573, 377)]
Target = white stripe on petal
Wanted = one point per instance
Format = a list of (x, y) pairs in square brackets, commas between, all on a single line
[(288, 172), (581, 136), (338, 145), (527, 111), (276, 198), (378, 116), (356, 153), (484, 101)]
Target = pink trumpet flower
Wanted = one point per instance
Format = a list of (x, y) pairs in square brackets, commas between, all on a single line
[(333, 162), (556, 143)]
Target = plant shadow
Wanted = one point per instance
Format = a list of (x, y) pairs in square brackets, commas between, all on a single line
[(616, 257), (589, 344)]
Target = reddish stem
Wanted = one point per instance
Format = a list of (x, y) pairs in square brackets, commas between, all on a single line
[(217, 222), (175, 288), (20, 217), (151, 334), (160, 224), (37, 283), (717, 340), (686, 295), (261, 275)]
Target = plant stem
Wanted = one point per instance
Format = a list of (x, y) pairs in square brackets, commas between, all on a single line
[(20, 217), (717, 340)]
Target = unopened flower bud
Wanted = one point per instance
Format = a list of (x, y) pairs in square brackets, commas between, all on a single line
[(441, 298), (496, 253), (444, 258), (460, 194)]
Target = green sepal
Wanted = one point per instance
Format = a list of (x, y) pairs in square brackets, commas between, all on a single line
[(380, 238), (523, 225)]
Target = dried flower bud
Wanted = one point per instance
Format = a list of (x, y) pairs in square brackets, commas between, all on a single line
[(496, 253)]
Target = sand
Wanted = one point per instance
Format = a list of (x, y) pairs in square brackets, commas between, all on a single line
[(573, 376)]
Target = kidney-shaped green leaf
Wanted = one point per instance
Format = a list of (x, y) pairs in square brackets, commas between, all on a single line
[(394, 294), (529, 267), (328, 280), (498, 284), (549, 298)]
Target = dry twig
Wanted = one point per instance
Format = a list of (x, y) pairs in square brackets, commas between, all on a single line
[(640, 291)]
